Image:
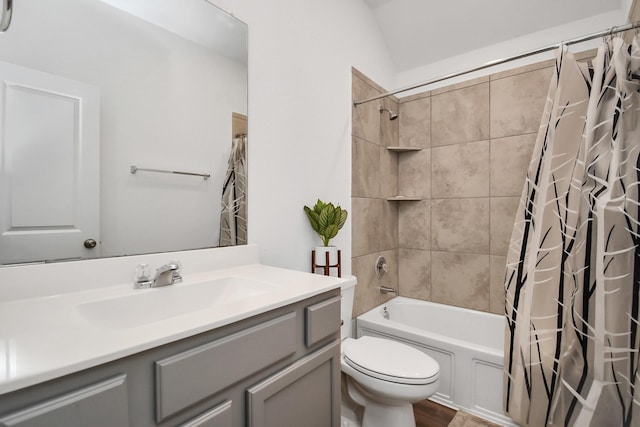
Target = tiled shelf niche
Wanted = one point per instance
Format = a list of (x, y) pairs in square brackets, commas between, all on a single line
[(404, 199), (398, 149)]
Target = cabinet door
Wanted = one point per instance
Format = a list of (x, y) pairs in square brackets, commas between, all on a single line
[(220, 416), (307, 393), (100, 405)]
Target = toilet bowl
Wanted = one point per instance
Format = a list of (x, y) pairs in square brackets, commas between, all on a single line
[(384, 377)]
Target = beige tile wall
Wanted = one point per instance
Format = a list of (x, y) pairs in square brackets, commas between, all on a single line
[(477, 138), (374, 178)]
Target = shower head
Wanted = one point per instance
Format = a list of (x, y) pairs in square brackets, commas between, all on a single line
[(392, 115)]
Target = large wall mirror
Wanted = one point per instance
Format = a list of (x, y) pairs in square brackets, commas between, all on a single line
[(118, 122)]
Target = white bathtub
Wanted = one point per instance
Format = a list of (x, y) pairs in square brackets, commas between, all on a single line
[(467, 344)]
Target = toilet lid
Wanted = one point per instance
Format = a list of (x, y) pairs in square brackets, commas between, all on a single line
[(391, 361)]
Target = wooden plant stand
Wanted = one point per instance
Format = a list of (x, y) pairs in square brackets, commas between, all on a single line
[(326, 267)]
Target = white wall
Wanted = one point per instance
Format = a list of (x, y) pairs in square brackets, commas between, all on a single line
[(300, 58), (626, 5), (509, 48)]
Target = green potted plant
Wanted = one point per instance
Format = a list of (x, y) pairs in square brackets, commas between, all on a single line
[(326, 220)]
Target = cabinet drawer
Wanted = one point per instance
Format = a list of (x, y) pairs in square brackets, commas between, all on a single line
[(220, 416), (189, 377), (321, 320), (101, 404)]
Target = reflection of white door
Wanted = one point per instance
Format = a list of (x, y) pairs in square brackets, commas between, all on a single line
[(49, 166)]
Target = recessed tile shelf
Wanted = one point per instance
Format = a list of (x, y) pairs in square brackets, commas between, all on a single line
[(404, 199), (398, 149)]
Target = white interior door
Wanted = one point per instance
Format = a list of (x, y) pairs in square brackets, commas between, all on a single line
[(49, 167)]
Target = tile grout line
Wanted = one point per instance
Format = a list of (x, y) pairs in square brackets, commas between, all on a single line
[(430, 195), (489, 290)]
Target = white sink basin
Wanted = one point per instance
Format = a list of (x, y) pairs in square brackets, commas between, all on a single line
[(156, 304)]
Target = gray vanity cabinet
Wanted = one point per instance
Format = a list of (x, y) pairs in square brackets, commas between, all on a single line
[(280, 368), (190, 376)]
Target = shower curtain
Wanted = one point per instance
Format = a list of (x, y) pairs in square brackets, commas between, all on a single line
[(573, 268), (233, 218)]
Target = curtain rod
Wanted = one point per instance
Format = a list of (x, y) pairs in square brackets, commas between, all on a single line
[(610, 31)]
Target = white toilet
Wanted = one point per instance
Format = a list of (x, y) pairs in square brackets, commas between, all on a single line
[(385, 377)]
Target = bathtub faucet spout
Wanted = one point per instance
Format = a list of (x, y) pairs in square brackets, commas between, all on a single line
[(387, 290)]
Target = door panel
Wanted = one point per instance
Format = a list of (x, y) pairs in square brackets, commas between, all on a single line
[(50, 166)]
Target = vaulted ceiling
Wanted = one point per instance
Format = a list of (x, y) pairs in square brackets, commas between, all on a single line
[(419, 32)]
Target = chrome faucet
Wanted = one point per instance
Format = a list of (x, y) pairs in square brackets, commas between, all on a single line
[(167, 274)]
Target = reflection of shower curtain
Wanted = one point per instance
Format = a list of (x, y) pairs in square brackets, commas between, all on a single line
[(573, 268), (233, 218)]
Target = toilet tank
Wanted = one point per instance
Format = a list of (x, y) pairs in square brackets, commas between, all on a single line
[(348, 292)]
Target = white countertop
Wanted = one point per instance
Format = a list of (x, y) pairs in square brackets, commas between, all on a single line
[(46, 337)]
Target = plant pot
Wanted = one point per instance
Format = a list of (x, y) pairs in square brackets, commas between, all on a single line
[(321, 257)]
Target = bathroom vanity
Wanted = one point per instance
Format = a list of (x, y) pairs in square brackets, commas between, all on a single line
[(266, 358)]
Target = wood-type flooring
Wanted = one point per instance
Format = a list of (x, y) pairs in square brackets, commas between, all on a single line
[(430, 414)]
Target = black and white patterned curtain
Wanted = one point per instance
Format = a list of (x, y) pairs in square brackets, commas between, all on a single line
[(233, 218), (573, 268)]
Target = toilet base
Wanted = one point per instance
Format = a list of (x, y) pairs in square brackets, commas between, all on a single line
[(378, 413), (384, 416), (350, 416), (348, 422)]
